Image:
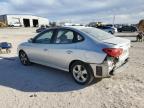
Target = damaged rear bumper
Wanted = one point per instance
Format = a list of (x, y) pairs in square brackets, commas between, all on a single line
[(103, 70), (121, 68)]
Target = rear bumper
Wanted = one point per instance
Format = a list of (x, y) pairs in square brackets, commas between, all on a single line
[(120, 68), (102, 70)]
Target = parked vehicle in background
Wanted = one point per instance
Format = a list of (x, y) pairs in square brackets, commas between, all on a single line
[(41, 29), (108, 29), (75, 24), (95, 24), (112, 26), (85, 52), (15, 24), (127, 29), (103, 27), (115, 29)]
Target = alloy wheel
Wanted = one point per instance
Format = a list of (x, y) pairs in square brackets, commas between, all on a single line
[(80, 73)]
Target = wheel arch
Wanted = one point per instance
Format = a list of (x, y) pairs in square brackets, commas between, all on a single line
[(74, 62), (28, 62), (21, 50), (89, 70)]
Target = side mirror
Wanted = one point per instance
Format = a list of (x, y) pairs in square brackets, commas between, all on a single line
[(30, 40)]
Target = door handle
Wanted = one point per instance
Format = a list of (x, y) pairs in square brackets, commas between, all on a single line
[(69, 52), (45, 49)]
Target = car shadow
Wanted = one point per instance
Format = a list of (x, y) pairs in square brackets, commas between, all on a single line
[(35, 78)]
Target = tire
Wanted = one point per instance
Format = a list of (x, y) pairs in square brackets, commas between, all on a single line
[(119, 30), (110, 32), (24, 58), (82, 73)]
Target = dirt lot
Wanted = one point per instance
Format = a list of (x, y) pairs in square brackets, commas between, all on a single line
[(43, 87)]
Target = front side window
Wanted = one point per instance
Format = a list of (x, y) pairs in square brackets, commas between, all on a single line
[(65, 37), (45, 38)]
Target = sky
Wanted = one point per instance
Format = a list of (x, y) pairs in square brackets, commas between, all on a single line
[(79, 11)]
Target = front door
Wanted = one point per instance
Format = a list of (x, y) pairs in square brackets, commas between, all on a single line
[(39, 48)]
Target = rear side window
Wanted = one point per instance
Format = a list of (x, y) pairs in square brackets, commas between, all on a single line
[(66, 36)]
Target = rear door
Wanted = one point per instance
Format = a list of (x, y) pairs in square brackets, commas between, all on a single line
[(63, 51)]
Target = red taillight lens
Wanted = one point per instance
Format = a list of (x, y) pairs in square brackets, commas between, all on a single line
[(113, 52)]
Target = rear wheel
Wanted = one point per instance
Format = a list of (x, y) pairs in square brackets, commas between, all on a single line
[(82, 73), (24, 58)]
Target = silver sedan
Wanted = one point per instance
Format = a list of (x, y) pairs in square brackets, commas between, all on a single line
[(85, 52)]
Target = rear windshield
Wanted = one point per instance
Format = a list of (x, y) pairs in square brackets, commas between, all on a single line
[(98, 34)]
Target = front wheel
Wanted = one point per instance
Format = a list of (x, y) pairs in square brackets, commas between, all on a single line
[(24, 58), (82, 73)]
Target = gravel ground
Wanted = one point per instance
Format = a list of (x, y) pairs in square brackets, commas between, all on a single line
[(38, 86)]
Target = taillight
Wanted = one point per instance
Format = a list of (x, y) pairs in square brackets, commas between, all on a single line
[(113, 52)]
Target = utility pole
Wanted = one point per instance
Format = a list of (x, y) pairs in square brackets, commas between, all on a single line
[(113, 20)]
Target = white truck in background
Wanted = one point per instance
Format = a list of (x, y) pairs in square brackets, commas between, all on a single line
[(15, 23)]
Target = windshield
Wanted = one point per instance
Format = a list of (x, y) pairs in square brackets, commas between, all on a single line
[(98, 34)]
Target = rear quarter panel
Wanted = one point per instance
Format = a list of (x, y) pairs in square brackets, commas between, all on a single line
[(90, 51)]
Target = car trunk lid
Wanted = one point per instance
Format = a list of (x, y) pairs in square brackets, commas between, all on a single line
[(117, 42)]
